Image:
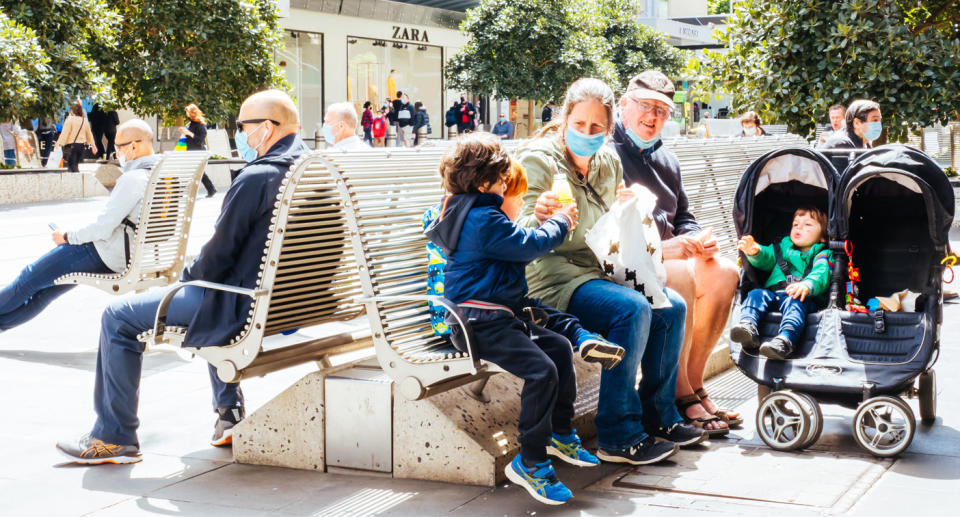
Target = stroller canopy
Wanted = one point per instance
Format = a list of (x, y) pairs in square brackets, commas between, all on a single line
[(798, 175), (904, 167)]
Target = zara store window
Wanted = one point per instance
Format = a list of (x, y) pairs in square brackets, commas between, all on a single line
[(302, 62)]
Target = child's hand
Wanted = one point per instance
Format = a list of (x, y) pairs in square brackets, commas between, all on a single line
[(623, 193), (571, 212), (798, 291), (748, 245), (547, 204)]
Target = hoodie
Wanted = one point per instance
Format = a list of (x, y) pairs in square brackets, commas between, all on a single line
[(486, 252)]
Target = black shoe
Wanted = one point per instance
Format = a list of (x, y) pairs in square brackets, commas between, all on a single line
[(648, 451), (778, 348), (746, 334), (682, 434), (227, 417), (211, 193)]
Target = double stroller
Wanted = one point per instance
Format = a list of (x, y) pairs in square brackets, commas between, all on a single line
[(889, 215)]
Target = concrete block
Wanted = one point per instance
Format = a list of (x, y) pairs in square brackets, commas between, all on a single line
[(219, 174), (92, 185), (288, 431), (453, 438)]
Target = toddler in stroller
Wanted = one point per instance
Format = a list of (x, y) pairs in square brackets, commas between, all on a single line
[(799, 268)]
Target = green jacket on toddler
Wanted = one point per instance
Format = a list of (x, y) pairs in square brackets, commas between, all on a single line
[(817, 280)]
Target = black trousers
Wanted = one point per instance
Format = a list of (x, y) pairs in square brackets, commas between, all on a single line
[(97, 140), (543, 359), (110, 133), (46, 139), (72, 154), (207, 184)]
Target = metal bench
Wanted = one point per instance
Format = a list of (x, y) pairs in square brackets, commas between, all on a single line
[(158, 247), (386, 193), (308, 277)]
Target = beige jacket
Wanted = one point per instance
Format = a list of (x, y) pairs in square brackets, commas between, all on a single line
[(76, 128)]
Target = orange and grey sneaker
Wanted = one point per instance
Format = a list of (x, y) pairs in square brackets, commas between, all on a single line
[(93, 451), (227, 417)]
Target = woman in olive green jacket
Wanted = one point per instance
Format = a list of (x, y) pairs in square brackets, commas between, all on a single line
[(570, 278)]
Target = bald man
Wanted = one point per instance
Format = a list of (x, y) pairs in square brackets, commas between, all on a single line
[(95, 248), (267, 128)]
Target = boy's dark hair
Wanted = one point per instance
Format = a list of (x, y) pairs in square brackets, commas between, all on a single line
[(817, 215), (475, 160)]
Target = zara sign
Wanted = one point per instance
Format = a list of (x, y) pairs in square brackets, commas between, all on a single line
[(410, 34)]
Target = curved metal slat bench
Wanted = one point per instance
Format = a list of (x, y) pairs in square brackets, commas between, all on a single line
[(158, 248), (386, 194), (308, 277)]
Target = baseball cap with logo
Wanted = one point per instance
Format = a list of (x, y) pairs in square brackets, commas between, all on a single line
[(652, 85)]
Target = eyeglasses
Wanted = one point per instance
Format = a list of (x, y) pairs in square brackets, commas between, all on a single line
[(240, 123), (121, 146), (646, 107)]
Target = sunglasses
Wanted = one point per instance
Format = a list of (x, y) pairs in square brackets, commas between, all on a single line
[(240, 123), (121, 146)]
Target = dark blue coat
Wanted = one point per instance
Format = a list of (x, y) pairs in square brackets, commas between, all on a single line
[(234, 254), (487, 253)]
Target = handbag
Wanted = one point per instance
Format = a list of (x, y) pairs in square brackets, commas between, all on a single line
[(55, 160), (626, 242)]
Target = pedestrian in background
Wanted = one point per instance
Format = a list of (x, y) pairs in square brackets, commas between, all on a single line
[(9, 143), (47, 135), (547, 114), (465, 115), (103, 124), (75, 137), (196, 134), (863, 122), (380, 128), (366, 122), (750, 125), (503, 128), (837, 113), (421, 123)]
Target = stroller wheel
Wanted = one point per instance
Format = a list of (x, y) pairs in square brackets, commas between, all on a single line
[(783, 420), (927, 394), (884, 426), (816, 421)]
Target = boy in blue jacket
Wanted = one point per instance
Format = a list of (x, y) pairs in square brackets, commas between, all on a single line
[(485, 275)]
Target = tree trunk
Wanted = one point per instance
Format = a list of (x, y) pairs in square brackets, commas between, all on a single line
[(530, 127)]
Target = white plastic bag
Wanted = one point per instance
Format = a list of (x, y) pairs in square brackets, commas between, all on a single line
[(626, 242), (55, 158)]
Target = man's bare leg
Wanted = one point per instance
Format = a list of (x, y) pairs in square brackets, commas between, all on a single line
[(716, 283), (681, 277)]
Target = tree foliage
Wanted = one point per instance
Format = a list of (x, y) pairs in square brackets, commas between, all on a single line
[(922, 15), (71, 36), (210, 52), (22, 61), (718, 6), (533, 49), (792, 60)]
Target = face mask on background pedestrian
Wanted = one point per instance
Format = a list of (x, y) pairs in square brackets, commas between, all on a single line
[(327, 131), (503, 118), (873, 131), (583, 145), (246, 152), (750, 131)]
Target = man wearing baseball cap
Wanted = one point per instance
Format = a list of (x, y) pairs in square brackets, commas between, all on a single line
[(705, 281)]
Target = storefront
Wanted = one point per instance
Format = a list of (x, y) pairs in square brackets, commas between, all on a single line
[(356, 53)]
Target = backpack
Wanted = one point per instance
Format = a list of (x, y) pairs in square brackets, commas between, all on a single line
[(451, 117)]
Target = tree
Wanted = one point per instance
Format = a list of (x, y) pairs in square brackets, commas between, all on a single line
[(23, 63), (635, 47), (792, 60), (210, 52), (71, 35), (718, 6), (922, 15), (529, 49)]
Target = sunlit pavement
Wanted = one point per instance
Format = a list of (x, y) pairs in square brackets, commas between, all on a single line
[(46, 384)]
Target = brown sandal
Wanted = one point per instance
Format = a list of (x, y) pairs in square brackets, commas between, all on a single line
[(731, 417), (685, 402)]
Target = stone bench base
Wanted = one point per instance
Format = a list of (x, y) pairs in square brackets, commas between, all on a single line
[(48, 186)]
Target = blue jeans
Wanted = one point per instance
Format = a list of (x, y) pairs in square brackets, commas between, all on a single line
[(368, 137), (652, 340), (119, 361), (794, 312), (33, 288), (9, 157)]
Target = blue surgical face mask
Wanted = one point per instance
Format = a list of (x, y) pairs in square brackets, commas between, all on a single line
[(641, 143), (583, 145), (247, 153), (328, 137), (873, 131)]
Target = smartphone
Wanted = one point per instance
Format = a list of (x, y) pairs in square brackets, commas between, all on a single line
[(53, 226)]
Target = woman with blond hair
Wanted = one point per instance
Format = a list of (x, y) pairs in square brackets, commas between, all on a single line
[(196, 133)]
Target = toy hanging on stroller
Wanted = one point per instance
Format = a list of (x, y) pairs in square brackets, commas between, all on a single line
[(890, 212)]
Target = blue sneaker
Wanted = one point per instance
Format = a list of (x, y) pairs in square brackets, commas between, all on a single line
[(594, 349), (568, 449), (540, 481)]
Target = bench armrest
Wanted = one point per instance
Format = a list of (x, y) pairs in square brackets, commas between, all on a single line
[(447, 304), (160, 322)]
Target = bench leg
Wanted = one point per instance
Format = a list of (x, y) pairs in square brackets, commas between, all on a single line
[(474, 390)]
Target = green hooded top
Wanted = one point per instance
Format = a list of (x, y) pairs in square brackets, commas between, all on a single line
[(555, 276), (817, 280)]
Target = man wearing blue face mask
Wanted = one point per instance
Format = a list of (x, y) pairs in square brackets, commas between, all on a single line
[(864, 125), (340, 127), (267, 138), (706, 282)]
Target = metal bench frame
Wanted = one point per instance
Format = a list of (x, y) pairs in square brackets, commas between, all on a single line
[(306, 278), (158, 248)]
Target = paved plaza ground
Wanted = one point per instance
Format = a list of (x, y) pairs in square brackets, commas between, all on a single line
[(46, 383)]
